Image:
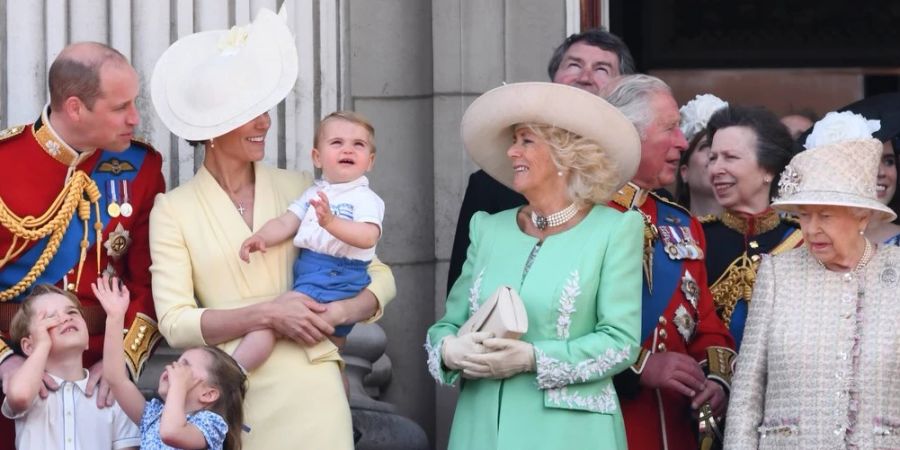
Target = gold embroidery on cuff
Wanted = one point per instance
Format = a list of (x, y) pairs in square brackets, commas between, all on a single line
[(139, 342)]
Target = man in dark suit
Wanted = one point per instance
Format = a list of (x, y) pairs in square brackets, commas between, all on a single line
[(587, 60)]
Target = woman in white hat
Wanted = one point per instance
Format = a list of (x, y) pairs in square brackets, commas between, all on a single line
[(216, 88), (819, 361), (575, 262)]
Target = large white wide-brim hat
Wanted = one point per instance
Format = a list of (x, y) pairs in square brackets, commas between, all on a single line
[(839, 174), (487, 125), (209, 83)]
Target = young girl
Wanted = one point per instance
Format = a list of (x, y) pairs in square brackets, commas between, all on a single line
[(203, 391)]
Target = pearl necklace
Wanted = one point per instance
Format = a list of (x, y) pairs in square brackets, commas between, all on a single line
[(866, 256), (554, 220)]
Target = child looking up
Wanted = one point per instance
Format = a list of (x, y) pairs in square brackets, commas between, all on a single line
[(203, 391), (336, 224), (51, 331)]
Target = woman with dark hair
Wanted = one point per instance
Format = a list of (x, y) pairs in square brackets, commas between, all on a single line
[(692, 188), (749, 147)]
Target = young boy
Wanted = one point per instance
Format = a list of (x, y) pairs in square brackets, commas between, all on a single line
[(53, 335), (336, 224)]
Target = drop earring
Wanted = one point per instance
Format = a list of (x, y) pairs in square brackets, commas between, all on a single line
[(559, 174)]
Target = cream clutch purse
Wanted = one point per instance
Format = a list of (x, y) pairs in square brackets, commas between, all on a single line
[(502, 314)]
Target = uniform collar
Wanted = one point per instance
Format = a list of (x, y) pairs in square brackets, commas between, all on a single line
[(751, 224), (630, 196), (53, 145)]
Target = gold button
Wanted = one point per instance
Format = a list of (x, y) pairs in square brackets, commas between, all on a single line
[(754, 244), (71, 287), (661, 347), (137, 341), (134, 347), (662, 320), (140, 335), (142, 328), (754, 258), (662, 334)]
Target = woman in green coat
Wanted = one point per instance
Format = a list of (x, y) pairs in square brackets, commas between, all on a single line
[(575, 263)]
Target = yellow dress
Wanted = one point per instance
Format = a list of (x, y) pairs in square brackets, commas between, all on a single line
[(296, 398)]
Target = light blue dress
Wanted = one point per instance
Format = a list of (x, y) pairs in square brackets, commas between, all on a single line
[(212, 426)]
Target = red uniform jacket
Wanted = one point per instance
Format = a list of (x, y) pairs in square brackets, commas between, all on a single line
[(678, 315)]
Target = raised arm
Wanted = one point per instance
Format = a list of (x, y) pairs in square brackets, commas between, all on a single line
[(114, 299), (25, 384), (357, 234)]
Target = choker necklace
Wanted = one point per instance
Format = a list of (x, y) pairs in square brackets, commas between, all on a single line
[(554, 220)]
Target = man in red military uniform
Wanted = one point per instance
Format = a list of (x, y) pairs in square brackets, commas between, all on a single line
[(684, 368), (75, 203)]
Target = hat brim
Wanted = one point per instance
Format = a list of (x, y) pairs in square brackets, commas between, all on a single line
[(487, 125), (830, 198), (201, 91)]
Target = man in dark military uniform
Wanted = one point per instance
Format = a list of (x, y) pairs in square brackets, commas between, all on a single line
[(75, 203), (684, 368)]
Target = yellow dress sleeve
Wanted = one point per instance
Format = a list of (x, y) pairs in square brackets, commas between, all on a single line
[(173, 285), (382, 286)]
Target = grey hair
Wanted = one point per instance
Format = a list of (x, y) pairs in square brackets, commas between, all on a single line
[(632, 95)]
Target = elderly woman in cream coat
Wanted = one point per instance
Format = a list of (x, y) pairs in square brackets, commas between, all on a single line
[(215, 88), (819, 363)]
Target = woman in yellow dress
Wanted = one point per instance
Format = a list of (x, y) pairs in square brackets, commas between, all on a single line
[(215, 88)]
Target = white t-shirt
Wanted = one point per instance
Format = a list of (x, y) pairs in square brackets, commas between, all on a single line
[(69, 420), (352, 201)]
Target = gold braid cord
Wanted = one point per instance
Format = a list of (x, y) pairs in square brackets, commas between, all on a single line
[(78, 193), (735, 283)]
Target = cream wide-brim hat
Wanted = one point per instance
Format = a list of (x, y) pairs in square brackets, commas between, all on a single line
[(839, 174), (487, 125), (209, 83)]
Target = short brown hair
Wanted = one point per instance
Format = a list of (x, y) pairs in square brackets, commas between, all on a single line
[(349, 116), (21, 321), (74, 74)]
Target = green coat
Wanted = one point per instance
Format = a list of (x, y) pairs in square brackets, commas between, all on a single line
[(583, 298)]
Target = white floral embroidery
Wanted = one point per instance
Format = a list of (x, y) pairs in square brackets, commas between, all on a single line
[(567, 306), (52, 147), (605, 402), (475, 293), (553, 373), (434, 359)]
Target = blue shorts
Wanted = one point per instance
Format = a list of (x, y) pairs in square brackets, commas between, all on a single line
[(327, 278)]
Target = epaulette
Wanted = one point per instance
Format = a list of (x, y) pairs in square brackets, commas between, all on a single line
[(669, 202), (143, 143), (791, 220), (11, 132), (709, 218)]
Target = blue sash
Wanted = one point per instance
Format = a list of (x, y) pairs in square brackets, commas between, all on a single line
[(666, 274), (69, 251)]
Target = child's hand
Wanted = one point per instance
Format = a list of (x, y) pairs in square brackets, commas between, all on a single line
[(112, 295), (253, 243), (181, 375), (40, 328), (323, 209)]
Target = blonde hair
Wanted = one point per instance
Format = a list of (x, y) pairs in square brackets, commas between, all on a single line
[(349, 116), (21, 321), (593, 175)]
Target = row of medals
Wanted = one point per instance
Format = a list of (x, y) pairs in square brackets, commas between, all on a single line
[(116, 209)]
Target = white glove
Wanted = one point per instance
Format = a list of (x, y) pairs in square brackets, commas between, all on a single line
[(504, 358), (455, 349)]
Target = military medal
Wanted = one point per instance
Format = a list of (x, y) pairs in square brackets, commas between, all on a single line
[(118, 242), (126, 206), (113, 208), (690, 289)]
